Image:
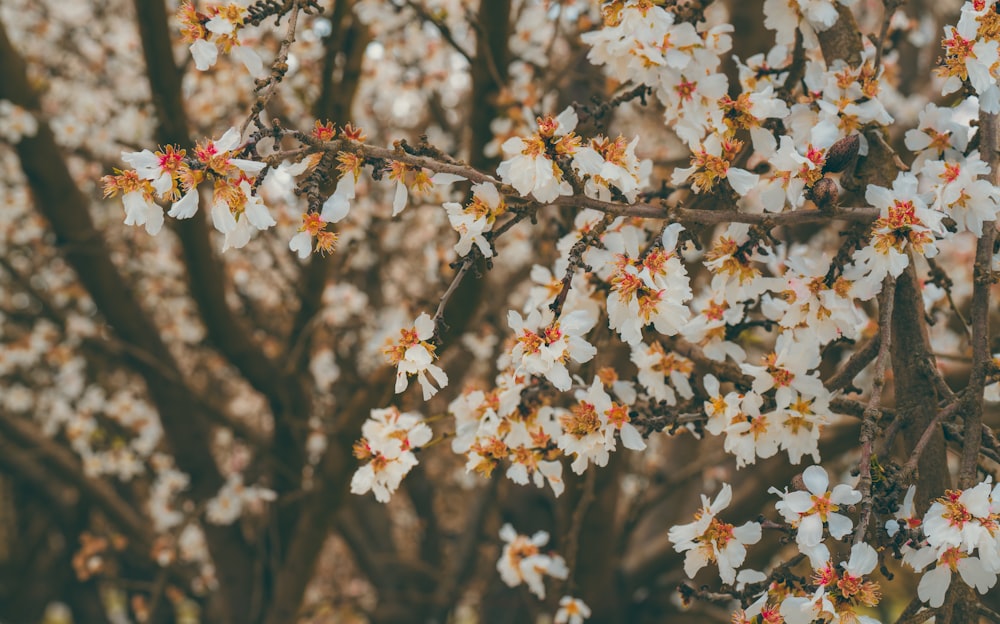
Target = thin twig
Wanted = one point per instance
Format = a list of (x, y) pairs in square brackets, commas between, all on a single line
[(576, 260), (982, 280), (452, 287), (441, 27), (872, 412), (890, 10), (941, 279), (861, 214), (491, 64), (576, 525), (278, 69), (861, 358), (988, 613), (910, 467)]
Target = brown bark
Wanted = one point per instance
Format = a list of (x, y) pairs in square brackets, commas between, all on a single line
[(316, 516), (67, 210), (489, 73), (349, 39), (51, 518), (229, 333), (598, 559)]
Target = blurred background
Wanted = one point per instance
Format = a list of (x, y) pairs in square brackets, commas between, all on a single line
[(155, 395)]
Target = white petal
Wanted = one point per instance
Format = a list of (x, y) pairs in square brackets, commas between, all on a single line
[(810, 530), (488, 193), (934, 585), (507, 533), (250, 59), (764, 142), (301, 244), (222, 217), (258, 215), (228, 141), (162, 184), (438, 374), (723, 498), (204, 54), (863, 559), (239, 236), (975, 575), (670, 234), (135, 208), (798, 610), (401, 381), (445, 178), (335, 208), (844, 494), (695, 560), (631, 438), (559, 377), (815, 479), (141, 160), (878, 196), (840, 525), (749, 533), (424, 326), (219, 25), (567, 120), (418, 356), (249, 166), (399, 200), (154, 220), (741, 180)]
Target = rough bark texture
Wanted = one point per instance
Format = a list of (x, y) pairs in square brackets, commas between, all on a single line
[(67, 211), (916, 397)]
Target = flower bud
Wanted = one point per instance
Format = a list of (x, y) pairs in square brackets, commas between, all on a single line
[(841, 154), (824, 193)]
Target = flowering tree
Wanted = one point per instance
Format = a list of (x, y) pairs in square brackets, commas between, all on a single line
[(447, 311)]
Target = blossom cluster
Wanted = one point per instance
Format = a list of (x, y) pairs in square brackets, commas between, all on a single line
[(675, 300), (711, 540), (816, 508), (957, 535), (490, 428), (414, 354), (523, 562), (840, 591), (678, 60), (971, 52), (387, 447), (836, 591), (174, 176), (16, 122), (234, 497), (537, 165), (476, 219), (218, 28)]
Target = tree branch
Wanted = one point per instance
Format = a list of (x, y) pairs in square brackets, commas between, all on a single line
[(63, 204), (982, 281), (872, 411), (206, 275)]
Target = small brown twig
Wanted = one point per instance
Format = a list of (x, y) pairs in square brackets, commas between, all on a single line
[(441, 27), (910, 467), (452, 287), (872, 412), (861, 358), (972, 406), (576, 525), (576, 260), (890, 10), (278, 69)]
